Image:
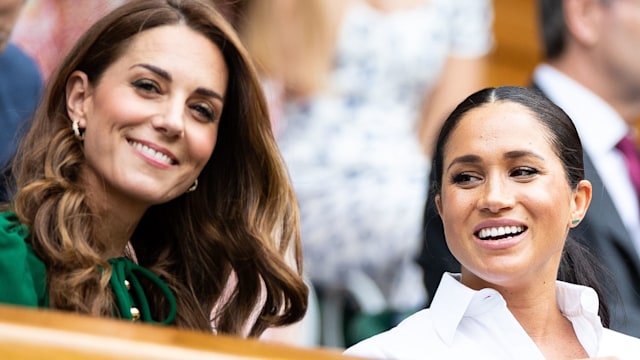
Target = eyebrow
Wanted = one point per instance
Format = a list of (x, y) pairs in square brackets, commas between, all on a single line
[(165, 75), (474, 159)]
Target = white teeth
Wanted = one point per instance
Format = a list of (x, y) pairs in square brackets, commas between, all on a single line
[(152, 153), (499, 231)]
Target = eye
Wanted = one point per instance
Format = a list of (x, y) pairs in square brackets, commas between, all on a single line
[(204, 111), (146, 85), (465, 179), (524, 172)]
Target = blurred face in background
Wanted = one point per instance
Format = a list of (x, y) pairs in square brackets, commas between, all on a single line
[(618, 44), (9, 12)]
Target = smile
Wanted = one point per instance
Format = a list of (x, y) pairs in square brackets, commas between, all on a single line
[(156, 155), (501, 232)]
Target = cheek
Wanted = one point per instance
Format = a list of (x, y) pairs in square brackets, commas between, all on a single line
[(202, 145), (456, 208), (455, 204), (114, 107)]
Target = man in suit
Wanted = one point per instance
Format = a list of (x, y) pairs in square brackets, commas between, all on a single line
[(592, 71)]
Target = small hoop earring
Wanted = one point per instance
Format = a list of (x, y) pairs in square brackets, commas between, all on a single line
[(193, 187), (575, 221), (76, 130)]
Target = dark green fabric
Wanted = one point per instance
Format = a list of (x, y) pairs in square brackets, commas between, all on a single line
[(23, 278), (22, 274), (124, 269), (365, 325)]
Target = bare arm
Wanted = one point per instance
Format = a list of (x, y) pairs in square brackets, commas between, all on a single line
[(460, 77)]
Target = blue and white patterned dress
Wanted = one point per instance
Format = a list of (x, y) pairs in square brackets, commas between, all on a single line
[(352, 150)]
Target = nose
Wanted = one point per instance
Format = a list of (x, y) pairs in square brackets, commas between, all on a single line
[(495, 195), (170, 120)]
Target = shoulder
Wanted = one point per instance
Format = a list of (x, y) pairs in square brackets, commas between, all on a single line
[(485, 7), (22, 273), (12, 231), (15, 62), (470, 26)]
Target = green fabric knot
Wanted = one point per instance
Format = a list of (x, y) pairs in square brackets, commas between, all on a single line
[(10, 224), (123, 269)]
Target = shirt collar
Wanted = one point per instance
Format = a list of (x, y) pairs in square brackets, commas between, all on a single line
[(580, 305), (453, 300)]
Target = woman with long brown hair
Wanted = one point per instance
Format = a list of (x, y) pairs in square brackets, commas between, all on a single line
[(150, 186)]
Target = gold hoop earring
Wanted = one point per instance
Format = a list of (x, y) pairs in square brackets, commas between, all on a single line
[(193, 187), (76, 130)]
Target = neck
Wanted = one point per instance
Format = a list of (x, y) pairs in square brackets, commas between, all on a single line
[(539, 315), (535, 308), (117, 216), (620, 93), (116, 224), (115, 233), (532, 302)]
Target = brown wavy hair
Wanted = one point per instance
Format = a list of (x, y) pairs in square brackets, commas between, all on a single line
[(240, 224)]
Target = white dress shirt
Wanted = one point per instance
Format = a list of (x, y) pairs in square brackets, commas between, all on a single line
[(467, 324), (600, 128)]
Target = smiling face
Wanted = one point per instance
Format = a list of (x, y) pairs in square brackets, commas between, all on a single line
[(505, 200), (151, 120)]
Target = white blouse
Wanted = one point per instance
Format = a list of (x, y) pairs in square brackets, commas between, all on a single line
[(467, 324)]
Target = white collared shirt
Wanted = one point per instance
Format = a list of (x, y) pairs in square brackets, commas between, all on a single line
[(600, 128), (467, 324)]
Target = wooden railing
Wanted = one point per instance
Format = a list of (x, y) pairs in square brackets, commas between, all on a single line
[(518, 47), (30, 334)]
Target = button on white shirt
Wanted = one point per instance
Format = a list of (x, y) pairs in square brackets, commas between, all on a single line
[(467, 324)]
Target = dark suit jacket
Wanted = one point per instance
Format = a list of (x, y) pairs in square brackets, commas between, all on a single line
[(602, 230)]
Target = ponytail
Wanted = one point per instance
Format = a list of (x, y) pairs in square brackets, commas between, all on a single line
[(579, 266)]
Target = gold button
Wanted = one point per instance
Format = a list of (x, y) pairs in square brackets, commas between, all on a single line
[(135, 313), (127, 285)]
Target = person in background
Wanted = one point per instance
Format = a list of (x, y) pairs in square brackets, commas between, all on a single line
[(150, 186), (47, 29), (358, 90), (20, 89), (591, 71), (509, 184)]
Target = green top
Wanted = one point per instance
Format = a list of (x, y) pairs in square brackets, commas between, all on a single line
[(23, 277)]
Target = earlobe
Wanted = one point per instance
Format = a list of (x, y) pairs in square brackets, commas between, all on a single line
[(77, 92), (581, 201)]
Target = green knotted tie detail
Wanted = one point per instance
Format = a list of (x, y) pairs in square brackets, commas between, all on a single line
[(131, 300)]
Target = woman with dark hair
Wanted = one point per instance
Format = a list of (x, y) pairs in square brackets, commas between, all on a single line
[(124, 208), (509, 185)]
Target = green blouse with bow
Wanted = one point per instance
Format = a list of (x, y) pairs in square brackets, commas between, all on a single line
[(23, 277)]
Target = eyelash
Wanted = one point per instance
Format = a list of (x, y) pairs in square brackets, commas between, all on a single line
[(462, 178), (529, 171), (207, 112), (465, 178), (146, 85), (150, 86)]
